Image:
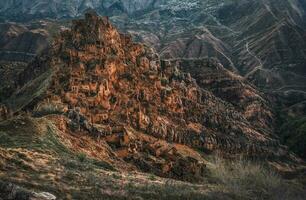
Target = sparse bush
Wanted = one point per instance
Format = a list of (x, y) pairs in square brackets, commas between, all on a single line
[(164, 81), (90, 65), (65, 56), (113, 99), (293, 133), (128, 76), (248, 180), (116, 176), (82, 157), (170, 190), (102, 164), (152, 177)]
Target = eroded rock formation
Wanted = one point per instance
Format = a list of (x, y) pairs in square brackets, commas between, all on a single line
[(150, 112)]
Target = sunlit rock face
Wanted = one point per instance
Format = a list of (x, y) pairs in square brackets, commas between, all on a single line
[(112, 79), (171, 92), (153, 113)]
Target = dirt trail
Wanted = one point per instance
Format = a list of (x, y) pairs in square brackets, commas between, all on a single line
[(259, 67)]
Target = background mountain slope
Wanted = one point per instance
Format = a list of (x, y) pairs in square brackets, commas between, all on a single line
[(262, 40)]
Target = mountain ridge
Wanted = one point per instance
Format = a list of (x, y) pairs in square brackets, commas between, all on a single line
[(93, 46), (195, 97)]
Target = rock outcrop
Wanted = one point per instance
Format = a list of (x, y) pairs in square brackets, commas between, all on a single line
[(232, 88), (116, 82), (151, 113), (268, 51)]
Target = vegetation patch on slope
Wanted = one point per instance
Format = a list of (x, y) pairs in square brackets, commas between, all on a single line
[(293, 133)]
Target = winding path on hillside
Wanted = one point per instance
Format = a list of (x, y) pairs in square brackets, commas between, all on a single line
[(259, 67), (17, 52)]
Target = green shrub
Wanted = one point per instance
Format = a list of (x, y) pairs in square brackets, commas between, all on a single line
[(65, 56), (164, 81), (293, 134), (152, 177), (82, 157)]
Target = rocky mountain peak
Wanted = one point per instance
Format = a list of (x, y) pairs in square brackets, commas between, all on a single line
[(153, 115), (91, 110), (93, 30)]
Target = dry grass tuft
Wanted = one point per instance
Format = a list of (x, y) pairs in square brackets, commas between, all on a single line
[(249, 180)]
